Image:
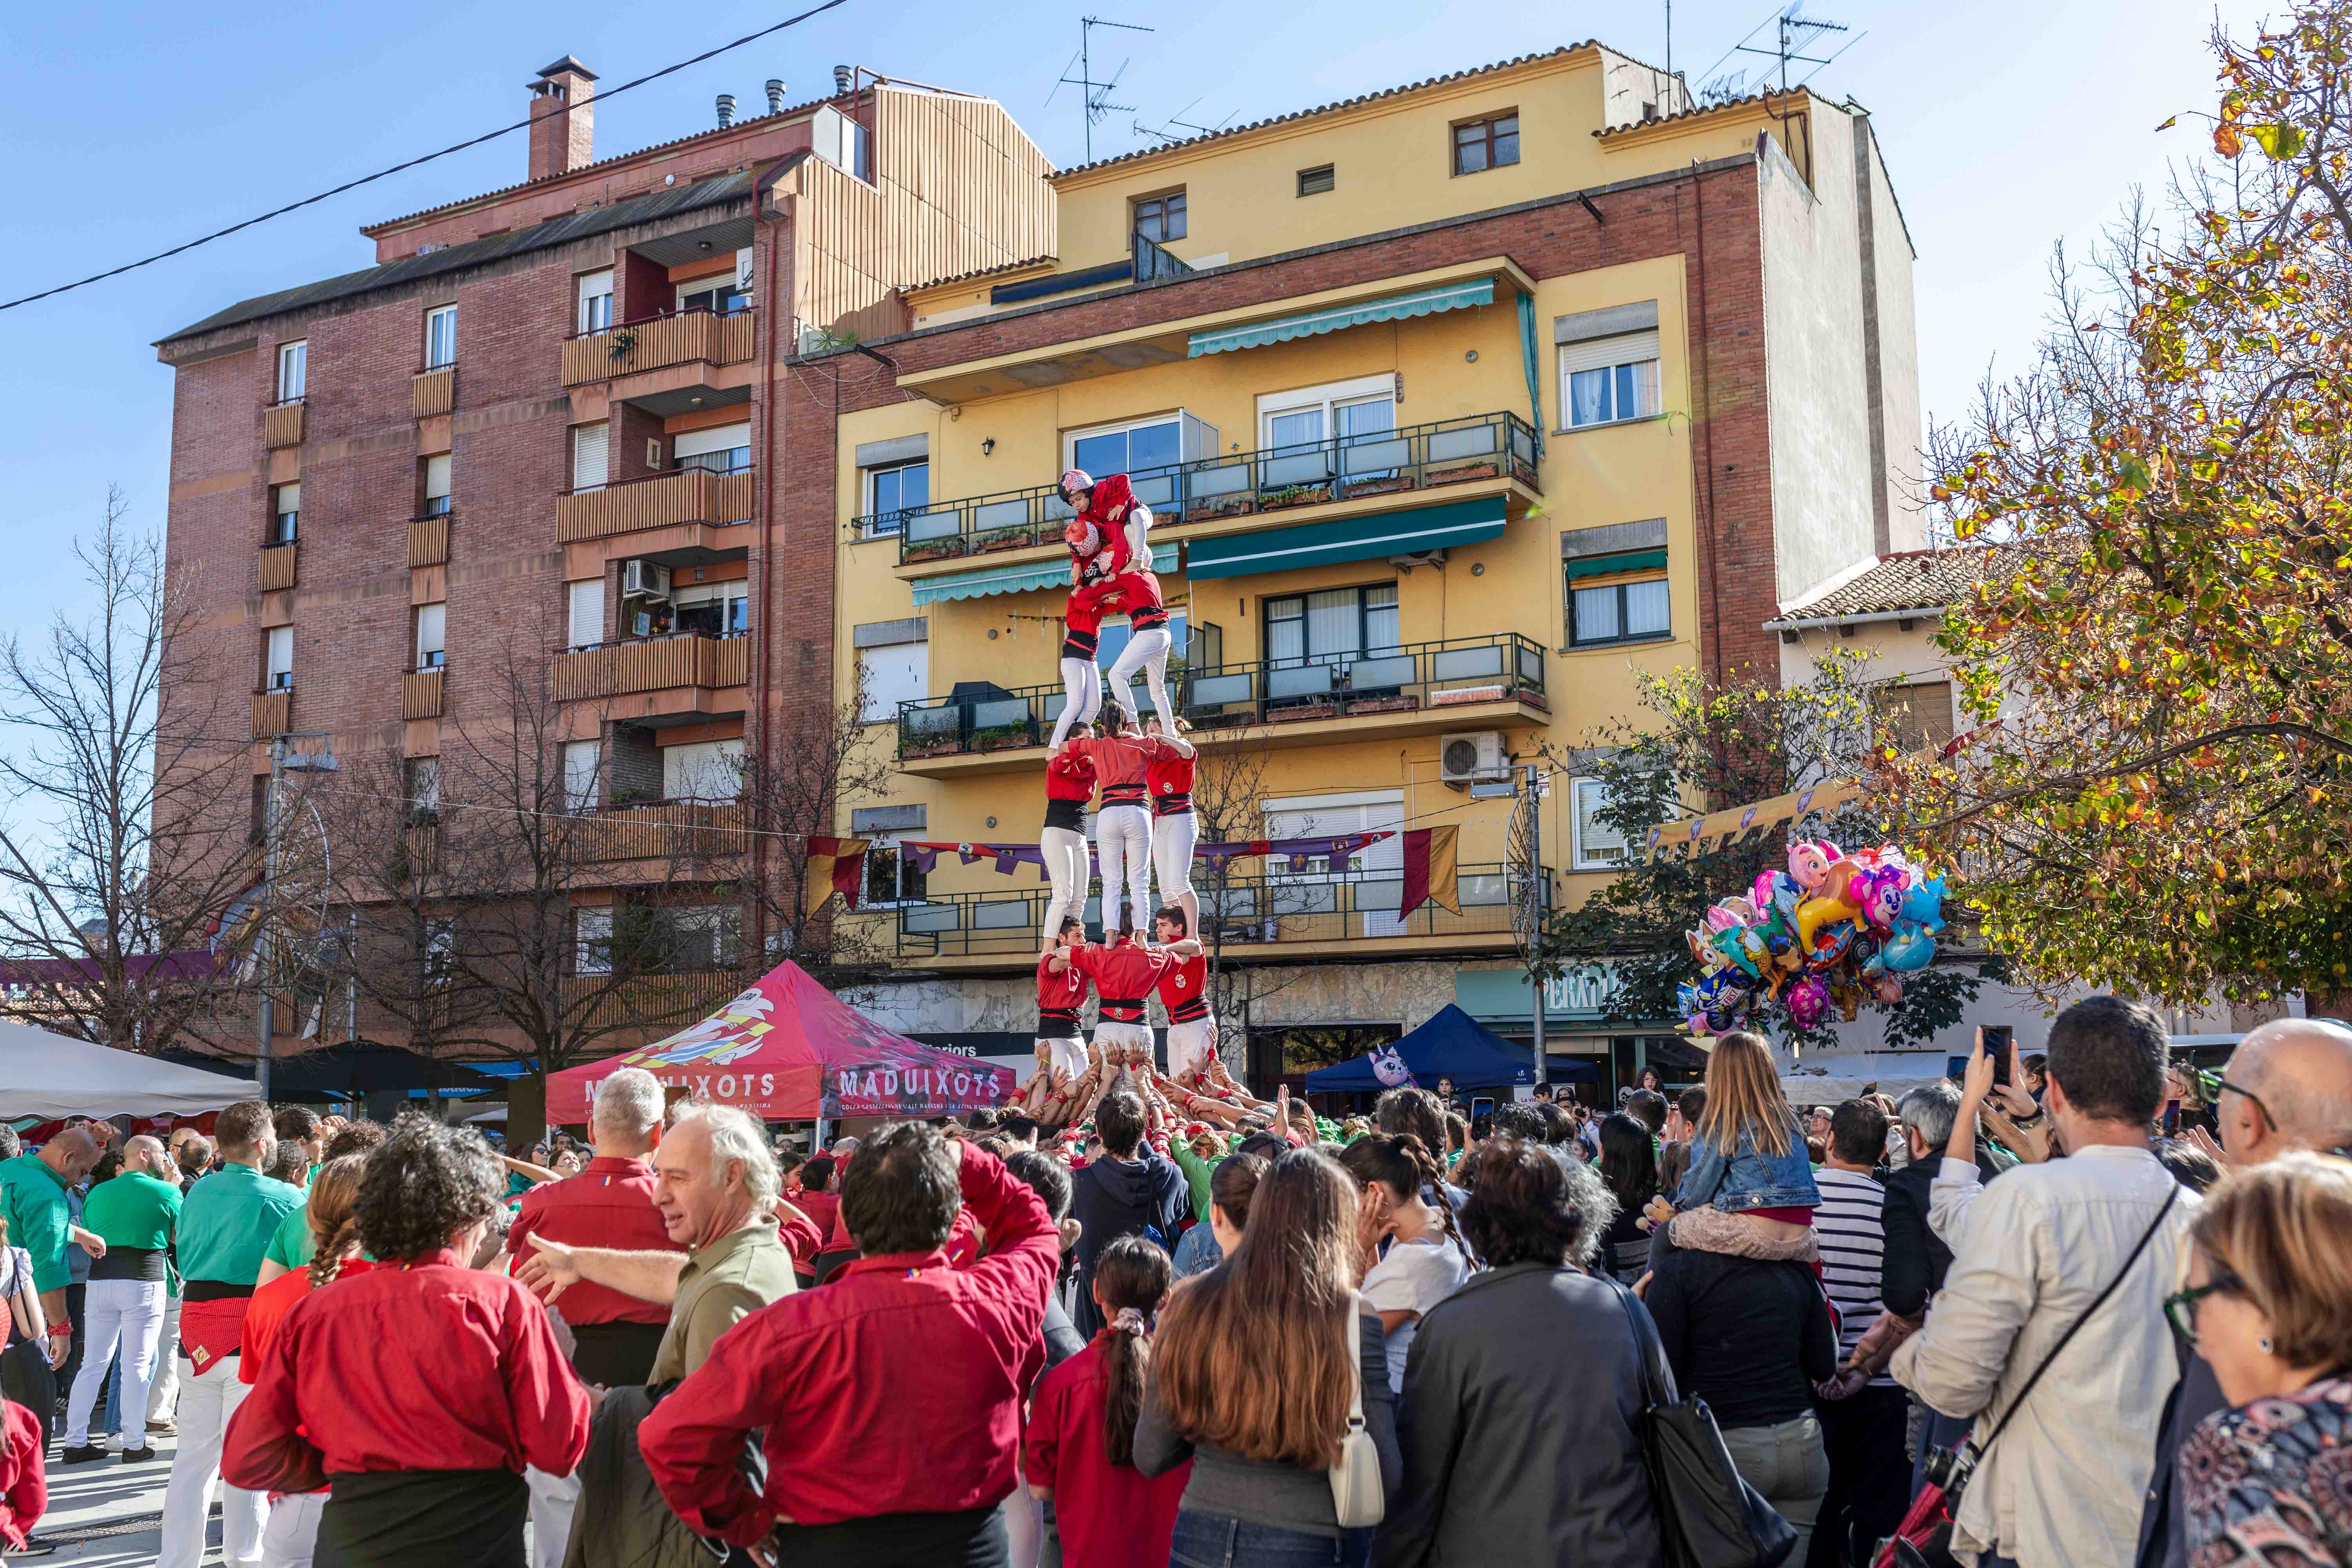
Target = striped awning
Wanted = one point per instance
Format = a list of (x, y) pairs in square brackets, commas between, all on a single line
[(1312, 323), (1016, 577), (1408, 533)]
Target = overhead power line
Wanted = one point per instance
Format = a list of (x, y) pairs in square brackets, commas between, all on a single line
[(409, 164)]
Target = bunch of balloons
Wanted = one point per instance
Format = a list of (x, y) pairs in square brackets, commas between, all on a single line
[(1830, 931)]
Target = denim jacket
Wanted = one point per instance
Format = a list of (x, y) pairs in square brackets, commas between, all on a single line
[(1748, 1179)]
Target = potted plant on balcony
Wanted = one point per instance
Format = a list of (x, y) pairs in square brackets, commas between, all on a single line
[(1299, 712), (1296, 495), (938, 549), (1478, 469), (1003, 737), (1018, 536), (623, 341), (1387, 484), (1222, 506), (1392, 703)]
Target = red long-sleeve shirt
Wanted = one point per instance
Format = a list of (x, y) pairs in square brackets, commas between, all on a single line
[(609, 1204), (1070, 775), (1168, 777), (1120, 762), (964, 1239), (1185, 989), (1124, 973), (1110, 1516), (895, 1389), (24, 1474), (422, 1366), (1059, 997), (824, 1208), (801, 1237)]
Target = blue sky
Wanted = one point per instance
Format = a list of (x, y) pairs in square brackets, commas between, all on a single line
[(2008, 124)]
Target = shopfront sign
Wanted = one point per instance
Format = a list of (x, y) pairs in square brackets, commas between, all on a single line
[(1581, 994)]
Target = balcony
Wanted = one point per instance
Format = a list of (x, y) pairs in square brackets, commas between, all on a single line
[(668, 499), (281, 424), (276, 567), (1461, 683), (428, 541), (420, 693), (1250, 917), (273, 713), (651, 1001), (433, 391), (661, 830), (656, 343), (1496, 450), (656, 664)]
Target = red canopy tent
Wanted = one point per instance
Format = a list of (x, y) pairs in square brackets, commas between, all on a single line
[(790, 1050)]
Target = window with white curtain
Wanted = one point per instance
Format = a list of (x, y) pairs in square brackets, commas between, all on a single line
[(432, 629), (424, 787), (595, 293), (1334, 626), (722, 450), (700, 938), (582, 760), (293, 370), (889, 676), (584, 613), (284, 513), (278, 659), (1618, 611), (440, 336), (1606, 380), (1364, 409), (1596, 847), (703, 770), (591, 460), (592, 941), (436, 484), (1307, 891)]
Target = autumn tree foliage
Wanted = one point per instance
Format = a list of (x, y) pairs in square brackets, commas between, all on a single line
[(2158, 797)]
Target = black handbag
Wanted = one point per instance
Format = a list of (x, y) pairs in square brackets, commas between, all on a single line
[(1708, 1516)]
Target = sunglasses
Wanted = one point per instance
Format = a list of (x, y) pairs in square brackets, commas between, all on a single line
[(2214, 1083), (2180, 1307)]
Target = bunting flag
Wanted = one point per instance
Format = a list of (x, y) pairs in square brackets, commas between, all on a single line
[(1009, 857), (1430, 865), (835, 866)]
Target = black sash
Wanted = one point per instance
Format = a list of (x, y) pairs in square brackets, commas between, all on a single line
[(445, 1519), (969, 1538)]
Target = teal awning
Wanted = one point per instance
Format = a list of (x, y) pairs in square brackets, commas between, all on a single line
[(1350, 539), (1622, 560), (1017, 577), (1395, 308)]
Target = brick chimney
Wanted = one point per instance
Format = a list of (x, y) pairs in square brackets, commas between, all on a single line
[(562, 119)]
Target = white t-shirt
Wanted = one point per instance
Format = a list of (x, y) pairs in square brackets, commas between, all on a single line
[(1414, 1277)]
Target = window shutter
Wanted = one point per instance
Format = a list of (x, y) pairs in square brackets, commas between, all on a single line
[(289, 497), (586, 620), (720, 438), (596, 300), (432, 625), (1598, 353), (436, 477), (590, 467)]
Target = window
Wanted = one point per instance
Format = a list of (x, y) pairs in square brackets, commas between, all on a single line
[(440, 950), (725, 449), (1618, 611), (1297, 422), (284, 513), (424, 787), (892, 876), (592, 941), (889, 676), (595, 297), (699, 938), (591, 460), (1160, 219), (437, 486), (1335, 626), (1308, 890), (1918, 716), (1487, 143), (1115, 633), (1595, 847), (1129, 448), (714, 609), (584, 613), (278, 659), (581, 762), (432, 625), (721, 296), (893, 493), (440, 336), (293, 370), (1605, 380), (703, 770), (1315, 182)]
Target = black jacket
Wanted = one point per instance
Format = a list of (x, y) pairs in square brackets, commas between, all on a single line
[(1749, 1337), (1915, 1258), (2197, 1395), (1518, 1427), (1112, 1198)]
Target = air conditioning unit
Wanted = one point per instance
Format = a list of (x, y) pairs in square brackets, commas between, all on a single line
[(645, 579), (1471, 758)]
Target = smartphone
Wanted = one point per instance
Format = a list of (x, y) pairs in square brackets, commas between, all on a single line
[(1999, 1042), (1481, 1117)]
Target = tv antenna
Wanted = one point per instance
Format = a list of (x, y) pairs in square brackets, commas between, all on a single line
[(1793, 36), (1097, 94), (1177, 120)]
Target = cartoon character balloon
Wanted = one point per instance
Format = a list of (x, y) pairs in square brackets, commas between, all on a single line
[(1836, 929)]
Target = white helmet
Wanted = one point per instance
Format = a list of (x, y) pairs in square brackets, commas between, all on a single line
[(1074, 482)]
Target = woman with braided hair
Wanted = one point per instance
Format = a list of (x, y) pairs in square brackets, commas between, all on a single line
[(1426, 1260)]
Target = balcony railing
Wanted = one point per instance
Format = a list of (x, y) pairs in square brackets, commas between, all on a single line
[(281, 424), (656, 663), (276, 567), (1352, 468), (652, 1001), (661, 829), (655, 500), (428, 541), (680, 337), (1455, 672), (273, 712), (420, 693), (1356, 905), (433, 391)]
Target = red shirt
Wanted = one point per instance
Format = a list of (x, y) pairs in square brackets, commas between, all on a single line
[(964, 1239), (1185, 988), (422, 1366), (895, 1389), (24, 1474), (801, 1236), (1119, 762), (1059, 997), (1124, 973), (824, 1208), (610, 1204), (1106, 509), (1110, 1516), (1070, 775), (271, 1303), (1167, 776)]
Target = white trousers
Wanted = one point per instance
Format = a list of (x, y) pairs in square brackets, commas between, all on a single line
[(1172, 838), (1067, 865), (1123, 843), (165, 1391), (1111, 1033), (1188, 1047), (1146, 651), (552, 1501), (1067, 1054), (1025, 1521), (291, 1535), (207, 1399), (1081, 696), (127, 1312)]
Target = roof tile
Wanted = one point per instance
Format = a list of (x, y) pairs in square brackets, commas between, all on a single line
[(1909, 580)]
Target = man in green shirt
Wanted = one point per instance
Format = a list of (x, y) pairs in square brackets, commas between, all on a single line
[(33, 1187), (137, 1215)]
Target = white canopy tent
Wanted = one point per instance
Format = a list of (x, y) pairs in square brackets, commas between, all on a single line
[(50, 1075)]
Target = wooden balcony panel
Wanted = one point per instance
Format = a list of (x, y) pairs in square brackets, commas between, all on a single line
[(684, 495), (281, 424), (434, 391), (657, 665), (420, 694), (428, 541), (422, 842), (730, 661), (680, 830), (734, 497), (658, 343), (655, 1001), (273, 713), (738, 337), (277, 567)]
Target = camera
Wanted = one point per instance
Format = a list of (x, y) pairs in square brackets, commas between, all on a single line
[(1950, 1468)]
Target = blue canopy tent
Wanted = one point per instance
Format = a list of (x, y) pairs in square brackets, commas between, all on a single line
[(1451, 1045)]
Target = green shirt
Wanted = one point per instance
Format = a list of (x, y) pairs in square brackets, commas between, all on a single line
[(1197, 1173), (226, 1221), (133, 1209), (732, 1278), (293, 1246), (38, 1221)]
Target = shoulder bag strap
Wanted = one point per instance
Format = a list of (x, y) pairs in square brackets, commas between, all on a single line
[(1355, 1361), (2072, 1329), (1647, 1350)]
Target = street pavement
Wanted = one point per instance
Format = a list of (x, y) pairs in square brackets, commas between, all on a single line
[(108, 1512)]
